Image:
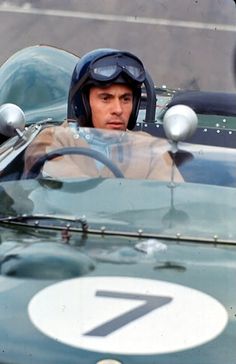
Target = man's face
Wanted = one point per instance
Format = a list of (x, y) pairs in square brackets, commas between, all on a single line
[(111, 106)]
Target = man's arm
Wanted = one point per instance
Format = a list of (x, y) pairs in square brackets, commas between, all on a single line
[(68, 166), (38, 147)]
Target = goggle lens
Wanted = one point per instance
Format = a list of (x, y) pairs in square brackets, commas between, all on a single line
[(107, 71), (108, 68), (135, 71)]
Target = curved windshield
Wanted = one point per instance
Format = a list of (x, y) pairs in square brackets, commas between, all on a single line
[(88, 152), (128, 183)]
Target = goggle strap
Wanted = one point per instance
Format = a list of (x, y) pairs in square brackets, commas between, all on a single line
[(77, 86)]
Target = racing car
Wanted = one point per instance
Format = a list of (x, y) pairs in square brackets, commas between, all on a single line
[(116, 270)]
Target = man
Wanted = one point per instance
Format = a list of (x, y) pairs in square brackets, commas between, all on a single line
[(105, 94)]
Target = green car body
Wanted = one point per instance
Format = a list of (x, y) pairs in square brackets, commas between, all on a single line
[(117, 270)]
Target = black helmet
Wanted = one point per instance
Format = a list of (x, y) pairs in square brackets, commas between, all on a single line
[(103, 67)]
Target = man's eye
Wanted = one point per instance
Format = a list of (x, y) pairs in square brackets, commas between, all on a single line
[(104, 97), (127, 98)]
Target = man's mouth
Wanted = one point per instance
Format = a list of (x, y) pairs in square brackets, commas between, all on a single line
[(115, 124)]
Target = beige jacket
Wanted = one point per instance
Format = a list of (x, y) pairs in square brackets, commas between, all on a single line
[(141, 156)]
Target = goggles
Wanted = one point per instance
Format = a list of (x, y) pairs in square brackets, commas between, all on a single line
[(108, 68)]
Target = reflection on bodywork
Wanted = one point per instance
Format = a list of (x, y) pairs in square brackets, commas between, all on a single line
[(45, 261), (37, 78)]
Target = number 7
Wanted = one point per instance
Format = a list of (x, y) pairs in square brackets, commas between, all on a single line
[(151, 303)]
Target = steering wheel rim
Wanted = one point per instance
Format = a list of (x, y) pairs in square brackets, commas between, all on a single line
[(36, 167)]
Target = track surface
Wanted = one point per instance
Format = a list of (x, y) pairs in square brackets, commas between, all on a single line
[(183, 43)]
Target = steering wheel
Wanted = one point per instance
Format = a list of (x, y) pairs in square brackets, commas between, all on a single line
[(35, 169)]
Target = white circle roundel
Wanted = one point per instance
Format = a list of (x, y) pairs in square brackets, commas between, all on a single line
[(126, 315)]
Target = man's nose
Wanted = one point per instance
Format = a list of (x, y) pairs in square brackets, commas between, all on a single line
[(116, 106)]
